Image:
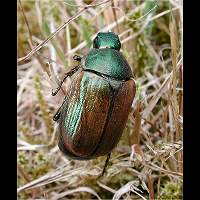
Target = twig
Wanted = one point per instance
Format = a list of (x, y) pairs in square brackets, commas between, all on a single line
[(39, 46)]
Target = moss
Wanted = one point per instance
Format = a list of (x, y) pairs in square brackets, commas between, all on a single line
[(34, 168), (22, 160), (170, 191), (42, 165)]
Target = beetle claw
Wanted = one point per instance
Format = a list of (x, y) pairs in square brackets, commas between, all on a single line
[(54, 93), (77, 58), (56, 116)]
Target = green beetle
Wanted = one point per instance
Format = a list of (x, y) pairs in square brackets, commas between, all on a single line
[(96, 107)]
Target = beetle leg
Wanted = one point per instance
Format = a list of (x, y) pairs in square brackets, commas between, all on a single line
[(77, 58), (57, 115), (105, 165), (70, 73)]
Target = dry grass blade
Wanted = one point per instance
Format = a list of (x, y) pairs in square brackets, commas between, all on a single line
[(56, 175), (79, 189), (157, 168), (106, 187), (127, 188), (164, 87)]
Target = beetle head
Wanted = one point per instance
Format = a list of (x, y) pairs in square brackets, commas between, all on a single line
[(107, 40)]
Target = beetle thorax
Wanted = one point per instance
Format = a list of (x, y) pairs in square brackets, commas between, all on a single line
[(107, 40)]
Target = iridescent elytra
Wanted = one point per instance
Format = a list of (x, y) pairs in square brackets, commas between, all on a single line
[(96, 108)]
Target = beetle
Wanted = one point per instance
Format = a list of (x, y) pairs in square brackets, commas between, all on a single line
[(96, 107)]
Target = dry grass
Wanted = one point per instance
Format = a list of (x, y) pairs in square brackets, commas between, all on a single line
[(147, 163)]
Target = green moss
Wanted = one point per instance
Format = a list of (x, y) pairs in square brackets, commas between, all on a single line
[(22, 160), (170, 191), (42, 165), (34, 168)]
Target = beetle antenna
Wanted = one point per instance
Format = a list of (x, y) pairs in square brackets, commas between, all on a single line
[(77, 58)]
